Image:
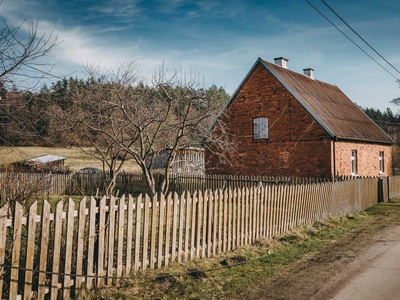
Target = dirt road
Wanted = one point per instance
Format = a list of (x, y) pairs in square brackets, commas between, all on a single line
[(364, 264), (375, 274)]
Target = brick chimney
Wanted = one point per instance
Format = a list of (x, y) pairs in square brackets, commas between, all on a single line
[(309, 72), (281, 61)]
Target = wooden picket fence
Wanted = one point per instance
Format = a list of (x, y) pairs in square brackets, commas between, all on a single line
[(58, 251), (15, 184)]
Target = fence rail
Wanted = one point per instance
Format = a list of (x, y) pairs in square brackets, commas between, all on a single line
[(56, 252)]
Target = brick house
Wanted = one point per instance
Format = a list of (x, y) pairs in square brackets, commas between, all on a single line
[(286, 123)]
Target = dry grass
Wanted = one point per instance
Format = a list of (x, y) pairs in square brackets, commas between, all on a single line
[(76, 158)]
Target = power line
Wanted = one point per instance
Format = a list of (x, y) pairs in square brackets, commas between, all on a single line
[(351, 40), (361, 37), (390, 123)]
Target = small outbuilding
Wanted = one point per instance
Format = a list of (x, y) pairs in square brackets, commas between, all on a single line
[(188, 161), (45, 163)]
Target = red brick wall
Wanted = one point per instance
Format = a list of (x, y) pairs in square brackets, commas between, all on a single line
[(367, 158), (297, 144)]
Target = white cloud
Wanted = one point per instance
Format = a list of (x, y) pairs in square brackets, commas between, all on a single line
[(117, 8)]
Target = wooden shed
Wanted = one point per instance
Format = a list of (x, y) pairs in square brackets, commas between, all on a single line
[(45, 163), (188, 161)]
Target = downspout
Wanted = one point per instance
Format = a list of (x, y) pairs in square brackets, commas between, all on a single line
[(334, 157)]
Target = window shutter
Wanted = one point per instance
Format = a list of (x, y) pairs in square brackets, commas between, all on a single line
[(260, 128)]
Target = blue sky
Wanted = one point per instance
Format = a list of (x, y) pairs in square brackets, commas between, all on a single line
[(221, 40)]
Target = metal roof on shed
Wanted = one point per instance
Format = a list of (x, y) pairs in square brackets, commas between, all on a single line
[(45, 159)]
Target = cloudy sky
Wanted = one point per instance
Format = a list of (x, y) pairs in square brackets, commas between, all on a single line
[(221, 40)]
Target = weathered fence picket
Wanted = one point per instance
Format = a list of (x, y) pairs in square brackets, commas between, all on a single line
[(44, 246), (3, 234), (30, 250), (129, 235), (160, 231), (80, 243), (16, 251), (68, 249)]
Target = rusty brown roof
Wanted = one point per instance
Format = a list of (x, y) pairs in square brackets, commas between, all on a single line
[(342, 118)]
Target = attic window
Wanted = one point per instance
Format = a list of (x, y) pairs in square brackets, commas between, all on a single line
[(260, 128)]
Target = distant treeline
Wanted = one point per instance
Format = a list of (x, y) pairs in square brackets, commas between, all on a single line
[(34, 118), (387, 120)]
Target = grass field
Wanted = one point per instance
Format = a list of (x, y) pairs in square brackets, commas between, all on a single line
[(76, 158)]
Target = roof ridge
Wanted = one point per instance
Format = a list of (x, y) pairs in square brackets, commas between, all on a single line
[(289, 70)]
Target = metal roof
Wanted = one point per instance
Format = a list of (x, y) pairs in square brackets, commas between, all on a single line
[(340, 117), (44, 159)]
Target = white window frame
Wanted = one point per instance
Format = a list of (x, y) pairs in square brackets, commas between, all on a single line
[(381, 162), (260, 128), (353, 162)]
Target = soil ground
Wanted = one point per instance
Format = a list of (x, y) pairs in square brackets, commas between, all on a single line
[(322, 274)]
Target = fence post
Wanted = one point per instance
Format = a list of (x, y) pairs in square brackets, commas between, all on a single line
[(387, 189), (380, 190), (3, 235)]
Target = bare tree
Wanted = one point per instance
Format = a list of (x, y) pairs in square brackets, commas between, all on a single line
[(396, 101), (22, 187), (20, 53), (123, 118), (21, 68), (16, 124)]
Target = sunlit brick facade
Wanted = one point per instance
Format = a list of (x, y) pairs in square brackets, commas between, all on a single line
[(293, 140)]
